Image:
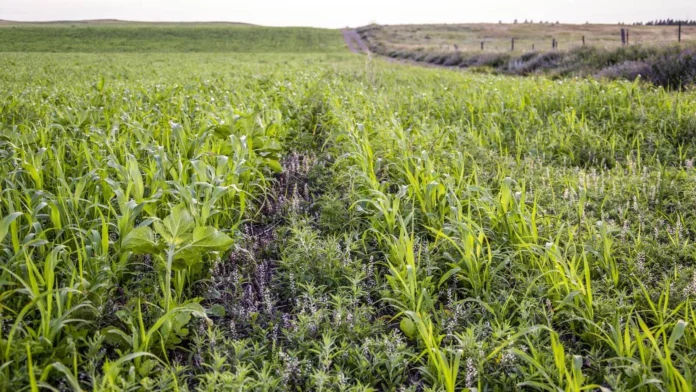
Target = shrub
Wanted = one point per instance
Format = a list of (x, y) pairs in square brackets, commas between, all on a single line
[(493, 60), (629, 70), (528, 56), (452, 60), (543, 61), (674, 70)]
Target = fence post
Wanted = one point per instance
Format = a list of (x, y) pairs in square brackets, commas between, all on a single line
[(628, 42), (482, 45), (679, 34), (532, 46), (513, 45), (583, 40), (623, 37), (553, 43)]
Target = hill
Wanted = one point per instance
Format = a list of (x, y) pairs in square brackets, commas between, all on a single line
[(652, 53), (114, 22), (497, 37), (123, 36)]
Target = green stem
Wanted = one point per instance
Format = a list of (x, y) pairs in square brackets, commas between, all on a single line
[(168, 278)]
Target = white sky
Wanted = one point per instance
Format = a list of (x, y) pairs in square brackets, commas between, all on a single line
[(331, 13)]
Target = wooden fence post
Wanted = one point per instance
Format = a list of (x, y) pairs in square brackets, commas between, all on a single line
[(623, 37), (553, 43), (532, 46), (679, 34), (482, 45), (513, 45), (628, 42), (583, 40)]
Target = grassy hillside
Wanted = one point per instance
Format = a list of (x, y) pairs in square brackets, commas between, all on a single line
[(197, 37), (497, 37), (653, 53), (113, 22)]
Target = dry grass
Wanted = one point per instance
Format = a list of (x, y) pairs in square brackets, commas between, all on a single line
[(497, 37)]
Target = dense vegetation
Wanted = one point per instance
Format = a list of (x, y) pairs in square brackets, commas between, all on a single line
[(318, 222), (167, 38), (672, 66)]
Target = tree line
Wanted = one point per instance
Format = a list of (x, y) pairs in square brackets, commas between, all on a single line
[(669, 22)]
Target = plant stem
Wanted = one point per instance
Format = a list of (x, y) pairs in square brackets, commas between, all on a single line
[(168, 278)]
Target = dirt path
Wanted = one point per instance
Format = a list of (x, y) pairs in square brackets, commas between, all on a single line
[(356, 45), (354, 42)]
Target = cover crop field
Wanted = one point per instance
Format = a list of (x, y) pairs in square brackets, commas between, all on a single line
[(117, 37), (329, 222)]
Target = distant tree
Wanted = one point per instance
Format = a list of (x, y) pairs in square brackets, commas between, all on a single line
[(515, 22), (670, 22)]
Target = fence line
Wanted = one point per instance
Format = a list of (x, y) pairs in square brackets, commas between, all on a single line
[(625, 37)]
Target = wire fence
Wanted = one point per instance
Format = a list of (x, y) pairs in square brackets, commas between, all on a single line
[(608, 38)]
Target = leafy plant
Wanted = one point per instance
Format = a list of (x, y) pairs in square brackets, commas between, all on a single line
[(179, 243)]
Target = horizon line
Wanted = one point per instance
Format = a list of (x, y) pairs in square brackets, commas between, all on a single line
[(113, 20)]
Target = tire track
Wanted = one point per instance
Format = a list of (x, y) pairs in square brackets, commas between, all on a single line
[(354, 42)]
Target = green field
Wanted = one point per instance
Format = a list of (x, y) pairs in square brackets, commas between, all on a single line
[(331, 222), (149, 38)]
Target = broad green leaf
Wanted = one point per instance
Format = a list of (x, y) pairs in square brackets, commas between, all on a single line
[(140, 240), (408, 327), (274, 165), (178, 265), (112, 368), (175, 227), (195, 308), (117, 337), (677, 333), (146, 367), (175, 327), (204, 239), (217, 310), (211, 238), (223, 131)]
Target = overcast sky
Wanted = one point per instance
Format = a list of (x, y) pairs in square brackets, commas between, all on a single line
[(330, 13)]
